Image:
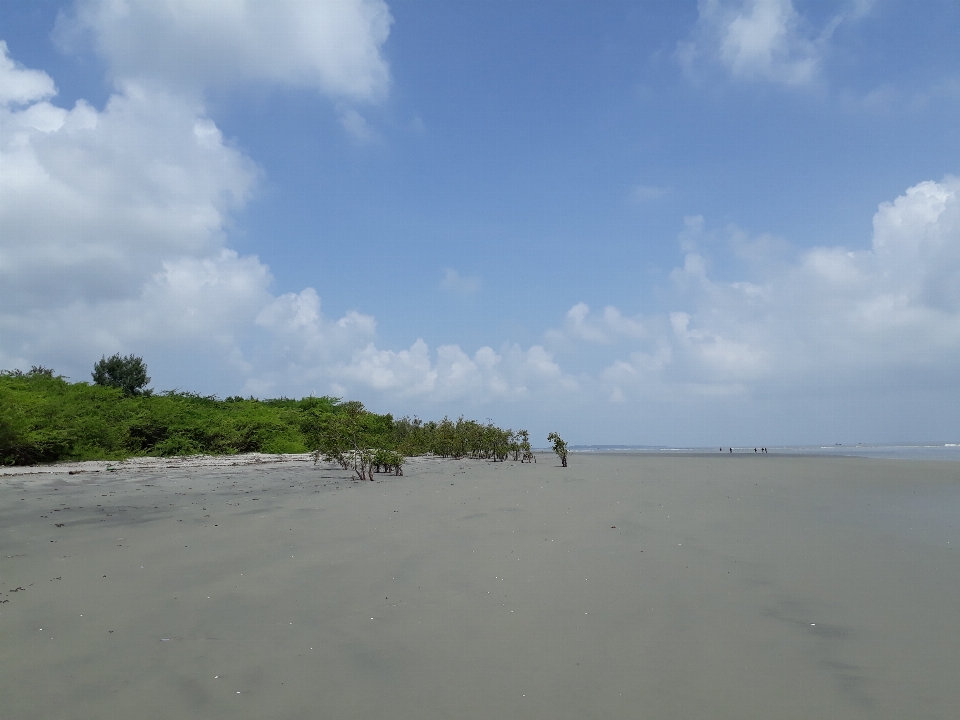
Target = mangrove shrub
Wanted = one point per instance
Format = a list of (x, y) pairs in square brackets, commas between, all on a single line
[(559, 447)]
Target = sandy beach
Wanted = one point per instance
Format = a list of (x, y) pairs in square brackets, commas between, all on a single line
[(624, 586)]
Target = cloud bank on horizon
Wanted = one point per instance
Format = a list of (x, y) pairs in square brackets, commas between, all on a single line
[(117, 222)]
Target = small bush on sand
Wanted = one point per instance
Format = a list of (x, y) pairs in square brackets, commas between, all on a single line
[(559, 447)]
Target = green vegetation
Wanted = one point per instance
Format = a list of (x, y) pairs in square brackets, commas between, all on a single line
[(559, 447), (44, 418), (126, 373), (520, 446)]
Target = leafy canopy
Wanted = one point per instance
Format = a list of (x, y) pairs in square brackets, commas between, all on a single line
[(559, 447), (125, 373), (45, 418)]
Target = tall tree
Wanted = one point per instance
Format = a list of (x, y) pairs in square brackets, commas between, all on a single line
[(126, 373)]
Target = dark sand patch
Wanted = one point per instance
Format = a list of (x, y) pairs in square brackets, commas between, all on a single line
[(622, 586)]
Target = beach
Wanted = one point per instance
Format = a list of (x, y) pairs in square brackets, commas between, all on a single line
[(625, 585)]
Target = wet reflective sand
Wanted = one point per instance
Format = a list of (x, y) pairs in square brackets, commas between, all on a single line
[(623, 586)]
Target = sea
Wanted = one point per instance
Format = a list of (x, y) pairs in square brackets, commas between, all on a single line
[(904, 451)]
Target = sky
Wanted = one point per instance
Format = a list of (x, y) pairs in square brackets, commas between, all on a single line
[(724, 222)]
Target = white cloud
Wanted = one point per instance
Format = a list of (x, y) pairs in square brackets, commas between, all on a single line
[(186, 302), (761, 40), (834, 314), (608, 328), (303, 342), (842, 317), (456, 283), (342, 356), (114, 227), (92, 202), (19, 85), (115, 240), (187, 45)]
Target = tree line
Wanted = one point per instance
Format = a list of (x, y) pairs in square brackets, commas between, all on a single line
[(45, 418)]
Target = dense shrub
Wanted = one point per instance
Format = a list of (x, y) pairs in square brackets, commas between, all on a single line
[(45, 418)]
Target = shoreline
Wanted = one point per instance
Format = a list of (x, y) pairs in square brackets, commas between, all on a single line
[(907, 451)]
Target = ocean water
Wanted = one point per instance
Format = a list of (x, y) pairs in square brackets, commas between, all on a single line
[(904, 451)]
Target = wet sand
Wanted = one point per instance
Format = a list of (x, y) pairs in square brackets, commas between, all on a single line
[(624, 586)]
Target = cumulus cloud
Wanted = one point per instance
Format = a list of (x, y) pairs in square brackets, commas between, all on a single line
[(835, 314), (92, 201), (332, 46), (305, 342), (19, 85), (342, 355), (760, 40), (115, 220), (114, 224), (610, 326), (187, 305), (115, 239)]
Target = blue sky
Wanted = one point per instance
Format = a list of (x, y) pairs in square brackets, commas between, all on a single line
[(642, 222)]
